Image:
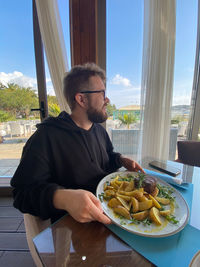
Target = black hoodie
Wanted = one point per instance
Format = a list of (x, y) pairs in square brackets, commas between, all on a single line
[(61, 155)]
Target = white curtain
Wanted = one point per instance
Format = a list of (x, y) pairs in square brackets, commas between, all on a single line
[(157, 77), (53, 40)]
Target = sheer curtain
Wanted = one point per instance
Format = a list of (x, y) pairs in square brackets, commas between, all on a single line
[(157, 77), (53, 40)]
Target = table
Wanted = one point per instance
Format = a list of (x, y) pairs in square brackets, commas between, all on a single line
[(69, 243)]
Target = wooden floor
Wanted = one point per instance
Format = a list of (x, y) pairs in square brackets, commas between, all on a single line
[(14, 250)]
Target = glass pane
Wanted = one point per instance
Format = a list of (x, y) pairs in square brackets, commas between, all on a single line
[(124, 64), (18, 88), (186, 29), (63, 6)]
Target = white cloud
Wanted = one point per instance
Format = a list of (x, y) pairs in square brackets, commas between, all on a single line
[(119, 80), (179, 99), (18, 78), (48, 80), (182, 92), (24, 81), (125, 96)]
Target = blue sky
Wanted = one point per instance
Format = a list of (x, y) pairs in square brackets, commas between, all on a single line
[(124, 47)]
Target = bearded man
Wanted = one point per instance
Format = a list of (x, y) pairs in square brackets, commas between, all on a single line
[(64, 160)]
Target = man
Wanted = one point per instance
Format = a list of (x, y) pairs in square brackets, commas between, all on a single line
[(67, 156)]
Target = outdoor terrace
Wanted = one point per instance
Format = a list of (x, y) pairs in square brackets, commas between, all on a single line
[(14, 249)]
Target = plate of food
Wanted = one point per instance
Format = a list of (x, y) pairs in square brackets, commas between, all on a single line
[(142, 204)]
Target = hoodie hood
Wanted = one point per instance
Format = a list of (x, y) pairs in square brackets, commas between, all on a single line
[(65, 122)]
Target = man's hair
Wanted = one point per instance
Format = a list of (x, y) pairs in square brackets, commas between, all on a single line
[(77, 79)]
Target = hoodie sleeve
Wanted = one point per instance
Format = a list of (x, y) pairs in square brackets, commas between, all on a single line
[(33, 190)]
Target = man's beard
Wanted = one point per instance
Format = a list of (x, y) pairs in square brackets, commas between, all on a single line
[(96, 116)]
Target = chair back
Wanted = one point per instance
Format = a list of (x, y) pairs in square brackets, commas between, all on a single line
[(16, 128), (189, 152), (34, 225)]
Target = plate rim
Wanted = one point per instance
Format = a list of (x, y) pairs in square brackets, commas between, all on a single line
[(144, 234), (196, 255)]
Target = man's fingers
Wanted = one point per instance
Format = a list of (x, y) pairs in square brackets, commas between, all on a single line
[(96, 202), (140, 168), (98, 215)]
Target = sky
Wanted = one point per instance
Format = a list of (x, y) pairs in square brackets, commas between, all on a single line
[(124, 48)]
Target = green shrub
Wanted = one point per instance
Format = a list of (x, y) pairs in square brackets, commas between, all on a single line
[(127, 119), (54, 110), (6, 116)]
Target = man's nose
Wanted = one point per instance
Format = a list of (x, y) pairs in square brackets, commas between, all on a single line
[(107, 100)]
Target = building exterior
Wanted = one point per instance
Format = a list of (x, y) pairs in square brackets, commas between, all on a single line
[(130, 109)]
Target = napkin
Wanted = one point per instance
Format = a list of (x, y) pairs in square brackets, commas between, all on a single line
[(169, 179)]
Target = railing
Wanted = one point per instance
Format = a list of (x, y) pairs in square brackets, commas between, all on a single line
[(126, 141)]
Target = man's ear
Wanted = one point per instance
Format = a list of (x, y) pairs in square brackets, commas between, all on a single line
[(81, 100)]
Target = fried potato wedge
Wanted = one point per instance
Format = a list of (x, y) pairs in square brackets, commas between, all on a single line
[(135, 193), (112, 203), (129, 187), (109, 194), (127, 198), (164, 201), (114, 184), (124, 185), (140, 216), (165, 212), (154, 215), (155, 192), (155, 202), (135, 204), (145, 205), (118, 182), (122, 211), (142, 198), (124, 203)]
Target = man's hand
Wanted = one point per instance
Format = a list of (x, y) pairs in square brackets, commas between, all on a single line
[(131, 165), (82, 205)]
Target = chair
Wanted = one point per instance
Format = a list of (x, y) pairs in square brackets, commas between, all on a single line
[(34, 225), (189, 152), (16, 129)]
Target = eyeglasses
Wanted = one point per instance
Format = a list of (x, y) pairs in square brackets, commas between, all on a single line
[(95, 92)]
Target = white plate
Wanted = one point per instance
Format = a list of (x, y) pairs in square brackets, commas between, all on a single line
[(181, 212), (195, 260)]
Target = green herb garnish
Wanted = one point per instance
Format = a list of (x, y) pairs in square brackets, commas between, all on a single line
[(133, 220), (165, 192), (122, 222), (141, 177), (101, 196), (171, 219), (146, 221), (128, 179), (162, 207)]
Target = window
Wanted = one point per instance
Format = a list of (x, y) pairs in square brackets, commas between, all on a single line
[(186, 33), (18, 88), (124, 68)]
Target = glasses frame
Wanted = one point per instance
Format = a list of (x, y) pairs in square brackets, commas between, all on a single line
[(95, 92)]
